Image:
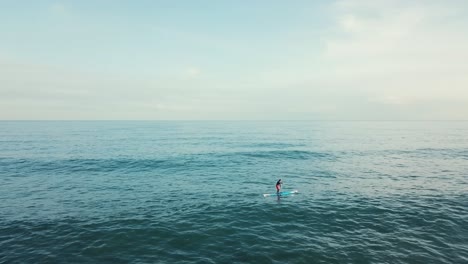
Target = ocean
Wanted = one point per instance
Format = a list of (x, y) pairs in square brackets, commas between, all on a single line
[(192, 192)]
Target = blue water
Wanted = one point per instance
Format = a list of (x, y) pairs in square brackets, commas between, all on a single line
[(191, 192)]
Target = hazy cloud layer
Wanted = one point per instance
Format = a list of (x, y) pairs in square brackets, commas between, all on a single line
[(348, 59)]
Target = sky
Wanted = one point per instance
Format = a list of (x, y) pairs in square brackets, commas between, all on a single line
[(234, 60)]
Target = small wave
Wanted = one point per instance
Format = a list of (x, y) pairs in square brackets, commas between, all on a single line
[(133, 165), (422, 152), (276, 145), (286, 154), (87, 165), (447, 152)]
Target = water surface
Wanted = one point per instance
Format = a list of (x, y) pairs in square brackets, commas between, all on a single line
[(191, 192)]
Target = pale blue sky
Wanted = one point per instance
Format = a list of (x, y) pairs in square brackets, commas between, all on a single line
[(197, 60)]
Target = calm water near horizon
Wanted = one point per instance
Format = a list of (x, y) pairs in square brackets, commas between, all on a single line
[(191, 192)]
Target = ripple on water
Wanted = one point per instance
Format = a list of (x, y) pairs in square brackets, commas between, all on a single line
[(191, 193)]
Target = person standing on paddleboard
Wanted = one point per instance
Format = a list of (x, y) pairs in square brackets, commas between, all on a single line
[(278, 185)]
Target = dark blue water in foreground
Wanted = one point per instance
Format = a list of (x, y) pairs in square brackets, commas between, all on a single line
[(191, 192)]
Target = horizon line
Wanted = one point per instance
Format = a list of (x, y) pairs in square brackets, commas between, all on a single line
[(233, 120)]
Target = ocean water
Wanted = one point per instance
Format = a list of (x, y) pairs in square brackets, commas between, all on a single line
[(191, 192)]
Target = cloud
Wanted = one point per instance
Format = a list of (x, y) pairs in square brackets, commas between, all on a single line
[(351, 24), (59, 9), (391, 28), (359, 34), (39, 91), (400, 52), (392, 100), (193, 72)]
